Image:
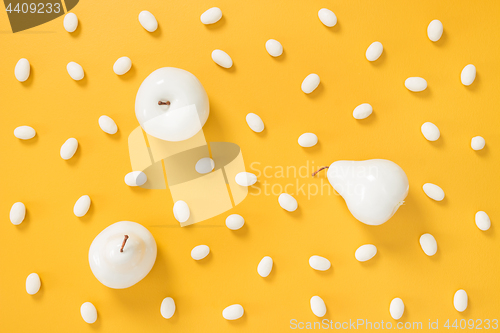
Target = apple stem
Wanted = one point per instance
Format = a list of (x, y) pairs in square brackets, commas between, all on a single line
[(322, 168), (164, 103), (123, 244)]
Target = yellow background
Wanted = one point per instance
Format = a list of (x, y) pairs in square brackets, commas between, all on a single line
[(54, 243)]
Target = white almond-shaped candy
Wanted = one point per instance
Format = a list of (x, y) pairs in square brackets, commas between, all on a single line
[(318, 306), (122, 65), (435, 30), (204, 165), (362, 111), (88, 312), (274, 48), (181, 211), (460, 300), (319, 263), (222, 59), (108, 125), (477, 143), (415, 84), (70, 22), (327, 17), (148, 21), (482, 220), (22, 70), (433, 191), (135, 178), (310, 83), (255, 122), (308, 140), (265, 266), (167, 308), (211, 15), (374, 51), (287, 202), (235, 221), (428, 244), (17, 213), (245, 179), (468, 75), (68, 149), (82, 206), (24, 132), (233, 312), (75, 71), (199, 252), (430, 131), (397, 308), (33, 284), (365, 252)]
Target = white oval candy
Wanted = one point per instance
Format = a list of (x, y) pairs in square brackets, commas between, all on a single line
[(33, 284), (287, 202), (70, 22), (148, 21), (222, 59), (167, 308), (362, 111), (460, 300), (24, 132), (233, 312), (255, 122), (319, 263), (122, 65), (181, 211), (327, 17), (82, 206), (108, 125), (211, 15), (374, 51), (435, 30), (265, 266), (88, 312), (274, 48), (433, 191), (318, 306), (430, 131), (477, 143), (310, 83), (468, 75), (415, 84), (22, 70), (245, 179), (204, 165), (482, 220), (365, 252), (135, 178), (17, 213), (68, 149), (199, 252), (235, 221), (428, 244), (308, 140), (397, 308), (75, 71)]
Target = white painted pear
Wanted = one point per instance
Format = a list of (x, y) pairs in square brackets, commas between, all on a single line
[(373, 189)]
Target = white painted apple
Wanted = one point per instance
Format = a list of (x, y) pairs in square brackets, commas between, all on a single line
[(171, 104)]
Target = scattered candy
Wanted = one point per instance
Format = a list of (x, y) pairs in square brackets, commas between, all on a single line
[(24, 132), (428, 244), (233, 312), (88, 312), (122, 65), (148, 21), (468, 75), (70, 22), (318, 306), (365, 252), (75, 71), (135, 178), (204, 165), (245, 179), (265, 266), (310, 83), (397, 308), (435, 30), (82, 206), (327, 17), (287, 202), (68, 149), (235, 221), (415, 84), (308, 140), (482, 220), (17, 213), (255, 122), (460, 300), (319, 263), (22, 70), (33, 284), (181, 211), (274, 48), (199, 252), (362, 111), (433, 191), (477, 143), (108, 125), (430, 131), (167, 308), (374, 51), (222, 59), (211, 16)]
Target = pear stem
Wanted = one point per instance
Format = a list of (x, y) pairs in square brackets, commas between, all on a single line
[(322, 168), (164, 103), (123, 244)]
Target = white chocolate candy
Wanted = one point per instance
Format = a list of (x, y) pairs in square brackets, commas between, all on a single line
[(181, 211), (148, 21), (233, 312), (374, 51), (460, 300), (415, 84), (33, 284), (255, 122), (82, 206), (327, 17), (274, 48), (24, 132), (318, 306), (222, 59), (265, 266), (75, 71), (70, 22), (477, 143), (482, 220), (22, 70), (167, 308), (428, 244), (108, 125), (122, 65), (204, 165), (287, 202), (235, 221), (68, 149), (468, 75), (310, 83), (199, 252), (365, 252), (308, 140), (88, 312), (245, 179), (397, 308), (17, 213), (135, 178), (433, 191), (319, 263), (362, 111), (435, 30), (430, 131), (211, 16)]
